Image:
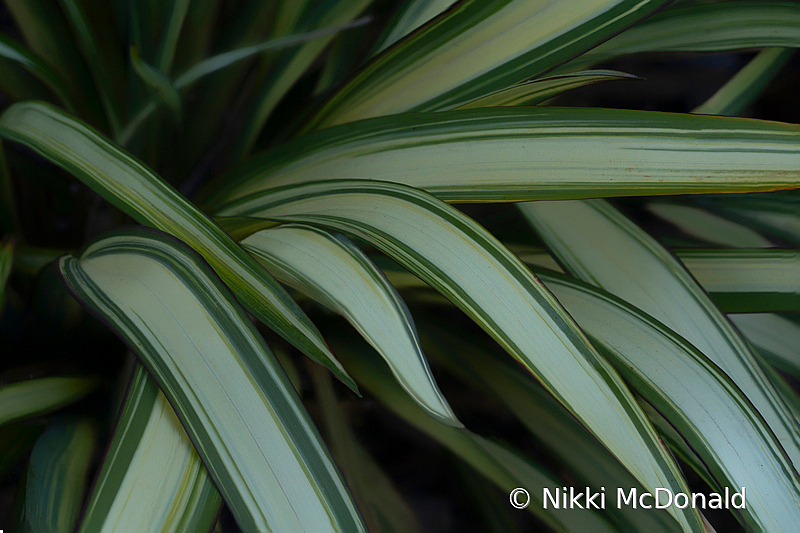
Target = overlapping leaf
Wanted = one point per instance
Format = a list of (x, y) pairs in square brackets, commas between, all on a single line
[(598, 244), (697, 398), (536, 153), (235, 402), (135, 189), (332, 270), (743, 281), (477, 48), (465, 263), (151, 479), (502, 466), (709, 27)]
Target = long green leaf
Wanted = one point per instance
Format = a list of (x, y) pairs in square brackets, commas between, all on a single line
[(15, 52), (100, 55), (537, 153), (777, 338), (733, 97), (502, 466), (151, 479), (465, 263), (596, 243), (136, 190), (172, 31), (40, 396), (536, 91), (697, 398), (215, 63), (235, 402), (48, 35), (158, 84), (477, 48), (743, 281), (333, 271), (586, 461), (57, 474), (282, 77), (707, 27), (410, 16)]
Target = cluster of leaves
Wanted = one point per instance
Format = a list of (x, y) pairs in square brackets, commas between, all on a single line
[(287, 159)]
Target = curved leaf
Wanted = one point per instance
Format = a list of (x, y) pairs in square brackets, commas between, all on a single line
[(152, 479), (477, 48), (235, 402), (39, 396), (533, 92), (586, 462), (466, 264), (158, 84), (697, 398), (707, 27), (409, 16), (217, 62), (139, 192), (291, 68), (57, 474), (333, 271), (501, 465), (500, 154), (382, 506), (598, 244), (13, 51), (105, 66), (773, 214)]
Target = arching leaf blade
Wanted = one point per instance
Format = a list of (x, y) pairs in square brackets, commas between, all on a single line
[(706, 27), (332, 270), (743, 88), (139, 192), (697, 398), (244, 419), (597, 244), (516, 154), (504, 467), (477, 48), (533, 92), (152, 478), (466, 264), (744, 281), (776, 337)]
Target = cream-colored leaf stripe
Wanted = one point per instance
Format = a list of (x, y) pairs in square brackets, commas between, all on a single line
[(151, 478), (599, 245), (465, 263), (516, 154), (332, 270), (138, 191), (238, 407)]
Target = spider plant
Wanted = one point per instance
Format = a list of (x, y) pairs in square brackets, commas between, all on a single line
[(326, 266)]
